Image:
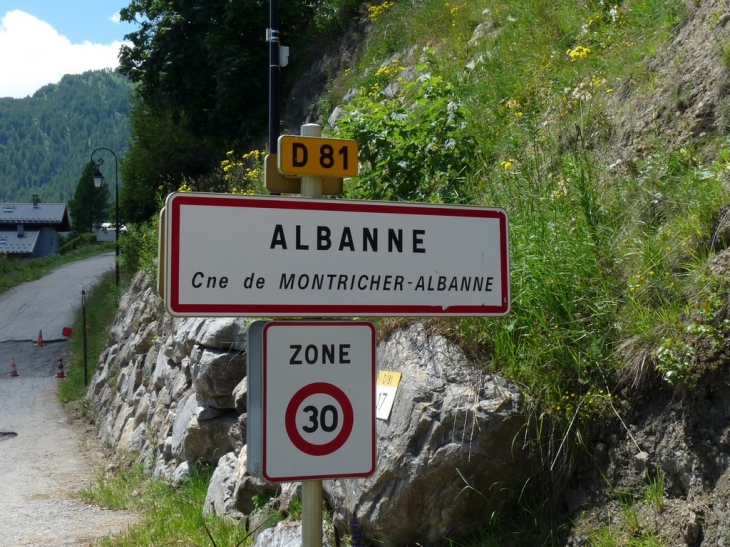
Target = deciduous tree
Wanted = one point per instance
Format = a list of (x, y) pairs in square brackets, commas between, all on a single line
[(206, 62), (161, 156)]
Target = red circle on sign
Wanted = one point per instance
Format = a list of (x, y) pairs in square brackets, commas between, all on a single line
[(291, 419)]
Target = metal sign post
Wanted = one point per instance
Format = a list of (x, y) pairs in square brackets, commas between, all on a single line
[(272, 36), (255, 256), (86, 365), (311, 490)]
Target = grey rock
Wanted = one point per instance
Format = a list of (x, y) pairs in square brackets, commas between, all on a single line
[(247, 486), (163, 369), (209, 412), (142, 407), (337, 113), (181, 474), (183, 338), (178, 382), (224, 333), (219, 498), (447, 449), (187, 411), (240, 392), (285, 534), (216, 374), (641, 461), (206, 441), (167, 448)]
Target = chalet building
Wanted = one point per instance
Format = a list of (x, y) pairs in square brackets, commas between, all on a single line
[(31, 230)]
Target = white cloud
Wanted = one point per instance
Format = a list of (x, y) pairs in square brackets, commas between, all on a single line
[(116, 19), (33, 54)]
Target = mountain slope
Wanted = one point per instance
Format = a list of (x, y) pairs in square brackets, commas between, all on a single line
[(46, 139)]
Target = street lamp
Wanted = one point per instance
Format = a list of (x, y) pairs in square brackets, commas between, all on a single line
[(98, 179)]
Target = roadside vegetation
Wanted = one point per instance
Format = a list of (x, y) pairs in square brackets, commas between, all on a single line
[(101, 309), (611, 288), (169, 515)]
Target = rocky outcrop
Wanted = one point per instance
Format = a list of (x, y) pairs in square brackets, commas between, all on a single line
[(173, 391), (446, 454)]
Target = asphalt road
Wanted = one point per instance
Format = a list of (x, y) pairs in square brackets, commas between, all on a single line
[(44, 459), (49, 304), (44, 307)]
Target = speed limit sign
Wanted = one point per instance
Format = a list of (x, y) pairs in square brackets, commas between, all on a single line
[(318, 393)]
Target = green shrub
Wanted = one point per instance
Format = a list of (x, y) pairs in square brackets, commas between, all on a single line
[(138, 248), (412, 146), (81, 240)]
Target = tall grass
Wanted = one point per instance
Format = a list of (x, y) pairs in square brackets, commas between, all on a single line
[(169, 515), (602, 258)]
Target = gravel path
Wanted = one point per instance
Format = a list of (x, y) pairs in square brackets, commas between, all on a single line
[(44, 460), (43, 465)]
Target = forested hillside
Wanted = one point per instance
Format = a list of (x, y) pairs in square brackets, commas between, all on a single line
[(46, 139)]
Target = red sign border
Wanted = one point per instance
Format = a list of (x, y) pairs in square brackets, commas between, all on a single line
[(264, 399), (176, 201)]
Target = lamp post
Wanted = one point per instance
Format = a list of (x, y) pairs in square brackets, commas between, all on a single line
[(98, 179)]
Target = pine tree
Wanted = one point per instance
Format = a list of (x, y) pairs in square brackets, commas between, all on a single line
[(90, 205)]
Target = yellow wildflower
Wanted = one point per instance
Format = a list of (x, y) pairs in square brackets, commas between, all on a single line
[(578, 52)]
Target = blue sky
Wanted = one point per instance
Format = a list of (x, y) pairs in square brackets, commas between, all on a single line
[(41, 40)]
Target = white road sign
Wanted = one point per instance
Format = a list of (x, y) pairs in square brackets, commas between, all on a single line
[(233, 255), (318, 401)]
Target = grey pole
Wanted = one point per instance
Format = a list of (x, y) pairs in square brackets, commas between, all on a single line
[(99, 162), (272, 35)]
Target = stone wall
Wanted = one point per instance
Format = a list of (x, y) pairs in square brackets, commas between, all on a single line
[(173, 392)]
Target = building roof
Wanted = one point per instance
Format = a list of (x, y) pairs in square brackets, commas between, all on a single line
[(12, 244), (40, 214)]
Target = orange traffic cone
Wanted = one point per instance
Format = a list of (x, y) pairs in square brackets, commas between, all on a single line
[(40, 339), (13, 368), (60, 373)]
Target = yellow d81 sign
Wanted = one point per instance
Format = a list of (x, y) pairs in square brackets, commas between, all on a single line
[(316, 156)]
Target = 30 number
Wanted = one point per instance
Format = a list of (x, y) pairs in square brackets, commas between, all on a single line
[(327, 418)]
